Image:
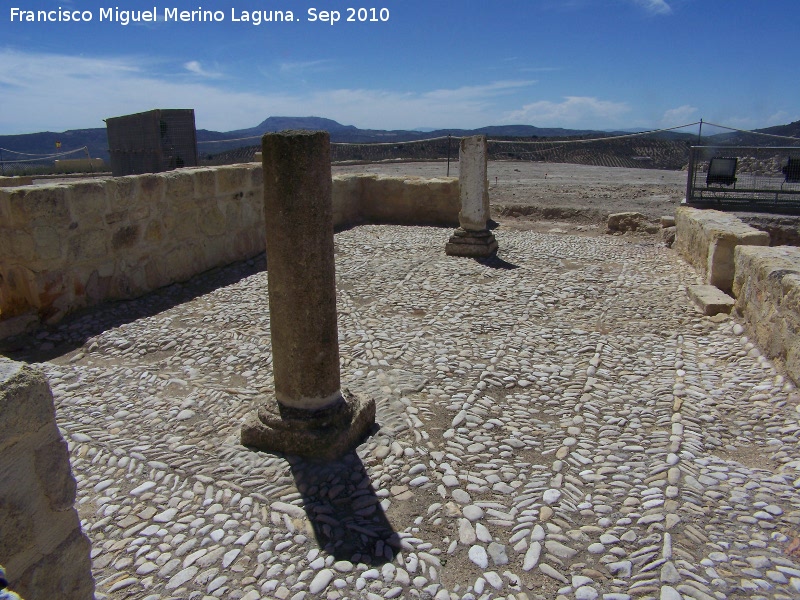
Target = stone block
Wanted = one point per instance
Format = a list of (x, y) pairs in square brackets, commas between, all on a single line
[(476, 244), (25, 402), (178, 187), (49, 243), (44, 204), (150, 188), (710, 300), (88, 203), (707, 239), (18, 291), (630, 221), (233, 180), (15, 181), (88, 245), (17, 244), (125, 237), (767, 288), (667, 221), (668, 235), (41, 545), (205, 183)]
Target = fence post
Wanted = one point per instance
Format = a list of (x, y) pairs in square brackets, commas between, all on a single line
[(448, 155), (690, 175)]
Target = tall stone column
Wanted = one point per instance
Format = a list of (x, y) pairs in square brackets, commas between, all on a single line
[(473, 238), (310, 415)]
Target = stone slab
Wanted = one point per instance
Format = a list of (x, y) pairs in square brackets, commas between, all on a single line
[(711, 300), (707, 239)]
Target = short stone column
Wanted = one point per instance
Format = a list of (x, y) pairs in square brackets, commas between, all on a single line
[(473, 238), (310, 415)]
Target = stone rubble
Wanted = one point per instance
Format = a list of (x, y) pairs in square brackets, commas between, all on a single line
[(557, 422)]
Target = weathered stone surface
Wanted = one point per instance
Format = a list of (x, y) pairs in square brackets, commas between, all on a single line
[(43, 548), (26, 403), (473, 237), (67, 246), (323, 435), (710, 300), (479, 244), (371, 198), (767, 287), (668, 235), (630, 221), (302, 284), (309, 415), (474, 187), (707, 238)]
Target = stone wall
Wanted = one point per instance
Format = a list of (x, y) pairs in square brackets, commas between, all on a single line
[(64, 246), (383, 199), (45, 554), (767, 289), (15, 181), (707, 238)]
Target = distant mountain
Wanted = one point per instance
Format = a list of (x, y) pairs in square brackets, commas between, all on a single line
[(737, 138), (211, 142)]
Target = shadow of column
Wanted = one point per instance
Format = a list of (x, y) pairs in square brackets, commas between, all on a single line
[(344, 511)]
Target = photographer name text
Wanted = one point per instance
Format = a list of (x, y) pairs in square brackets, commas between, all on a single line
[(122, 17)]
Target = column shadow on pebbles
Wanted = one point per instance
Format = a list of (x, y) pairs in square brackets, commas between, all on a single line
[(344, 510)]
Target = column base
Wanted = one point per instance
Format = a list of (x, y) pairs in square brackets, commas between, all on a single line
[(480, 244), (325, 434)]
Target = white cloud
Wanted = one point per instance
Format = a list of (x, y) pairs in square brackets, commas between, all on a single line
[(195, 67), (573, 111), (303, 66), (54, 92), (656, 7), (679, 116)]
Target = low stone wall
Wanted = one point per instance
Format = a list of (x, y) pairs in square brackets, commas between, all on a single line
[(78, 165), (707, 238), (65, 246), (767, 289), (15, 181), (383, 199), (42, 547)]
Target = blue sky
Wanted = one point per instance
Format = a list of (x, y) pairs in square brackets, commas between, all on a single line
[(600, 64)]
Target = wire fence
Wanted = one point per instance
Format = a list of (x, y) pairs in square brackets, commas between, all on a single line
[(13, 163), (666, 148)]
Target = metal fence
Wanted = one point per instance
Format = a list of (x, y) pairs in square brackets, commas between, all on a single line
[(744, 178), (13, 163)]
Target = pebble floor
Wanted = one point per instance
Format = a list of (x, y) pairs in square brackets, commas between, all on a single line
[(555, 423)]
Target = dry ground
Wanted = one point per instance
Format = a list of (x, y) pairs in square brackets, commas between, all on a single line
[(559, 192)]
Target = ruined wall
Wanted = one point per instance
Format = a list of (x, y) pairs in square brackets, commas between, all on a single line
[(68, 245), (44, 551), (64, 246), (767, 289), (15, 181), (707, 238), (395, 200)]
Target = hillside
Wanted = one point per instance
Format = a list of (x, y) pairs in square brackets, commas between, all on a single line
[(668, 150)]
